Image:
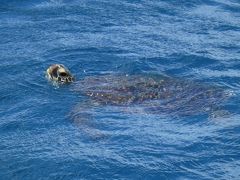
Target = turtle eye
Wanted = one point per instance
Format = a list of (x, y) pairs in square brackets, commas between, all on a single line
[(70, 79), (63, 74)]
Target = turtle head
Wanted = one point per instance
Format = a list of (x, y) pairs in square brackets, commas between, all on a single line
[(59, 74)]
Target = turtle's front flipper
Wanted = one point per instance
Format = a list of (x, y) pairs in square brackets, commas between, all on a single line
[(82, 116)]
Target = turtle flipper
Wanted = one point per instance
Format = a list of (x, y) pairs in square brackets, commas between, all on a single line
[(82, 116)]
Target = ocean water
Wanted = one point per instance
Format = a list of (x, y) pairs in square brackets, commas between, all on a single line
[(193, 40)]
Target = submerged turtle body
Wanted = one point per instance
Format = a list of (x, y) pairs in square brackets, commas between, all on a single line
[(160, 94)]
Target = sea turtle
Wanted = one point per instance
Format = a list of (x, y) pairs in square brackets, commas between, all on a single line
[(154, 93)]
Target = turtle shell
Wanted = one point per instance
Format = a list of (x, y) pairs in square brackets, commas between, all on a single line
[(159, 93)]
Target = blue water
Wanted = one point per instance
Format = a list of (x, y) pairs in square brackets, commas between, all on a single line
[(193, 40)]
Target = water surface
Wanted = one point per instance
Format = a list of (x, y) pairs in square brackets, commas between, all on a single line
[(193, 40)]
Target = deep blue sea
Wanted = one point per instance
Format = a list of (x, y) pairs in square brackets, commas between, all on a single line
[(193, 40)]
